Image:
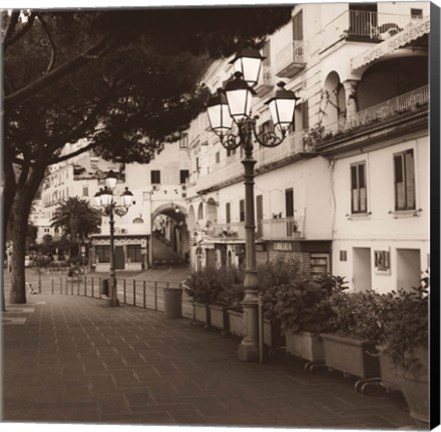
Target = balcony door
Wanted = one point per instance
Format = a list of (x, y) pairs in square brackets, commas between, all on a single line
[(363, 19), (259, 215), (289, 211)]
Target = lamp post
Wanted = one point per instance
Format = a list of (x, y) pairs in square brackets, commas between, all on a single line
[(109, 207), (232, 104)]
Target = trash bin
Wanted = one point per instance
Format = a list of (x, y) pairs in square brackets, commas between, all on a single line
[(173, 303), (105, 287)]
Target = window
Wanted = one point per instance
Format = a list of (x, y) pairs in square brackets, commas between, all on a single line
[(404, 181), (241, 210), (228, 213), (358, 188), (289, 202), (416, 13), (134, 253), (102, 253), (183, 142), (200, 211), (343, 255), (85, 191), (155, 177), (231, 152), (217, 157), (297, 26), (183, 176), (198, 168)]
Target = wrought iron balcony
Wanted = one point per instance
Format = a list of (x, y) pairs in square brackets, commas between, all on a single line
[(287, 228), (400, 107), (364, 26), (291, 59), (266, 81), (232, 230)]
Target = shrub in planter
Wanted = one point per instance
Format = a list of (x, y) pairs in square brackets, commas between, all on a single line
[(271, 276), (354, 329), (210, 286), (304, 311), (404, 338)]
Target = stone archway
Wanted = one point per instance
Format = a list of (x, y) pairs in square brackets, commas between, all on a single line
[(170, 237)]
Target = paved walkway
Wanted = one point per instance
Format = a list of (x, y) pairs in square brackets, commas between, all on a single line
[(72, 359)]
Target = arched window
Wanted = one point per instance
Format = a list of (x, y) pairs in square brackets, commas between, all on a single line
[(138, 220), (200, 211)]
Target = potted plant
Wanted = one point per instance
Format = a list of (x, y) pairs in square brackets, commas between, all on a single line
[(350, 343), (304, 312), (201, 286), (404, 340), (272, 275), (229, 295)]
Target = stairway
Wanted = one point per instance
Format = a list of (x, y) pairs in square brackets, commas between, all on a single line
[(163, 253)]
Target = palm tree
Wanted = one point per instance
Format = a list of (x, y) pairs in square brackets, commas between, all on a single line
[(76, 219)]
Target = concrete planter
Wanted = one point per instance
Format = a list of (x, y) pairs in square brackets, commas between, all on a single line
[(272, 334), (237, 325), (307, 345), (389, 373), (201, 313), (415, 387), (350, 356), (219, 317)]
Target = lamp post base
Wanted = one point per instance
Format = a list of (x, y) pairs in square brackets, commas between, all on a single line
[(112, 302), (248, 353), (249, 346)]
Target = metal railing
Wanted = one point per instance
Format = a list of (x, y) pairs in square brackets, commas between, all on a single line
[(282, 228), (141, 293), (293, 144), (230, 230), (363, 24), (294, 52)]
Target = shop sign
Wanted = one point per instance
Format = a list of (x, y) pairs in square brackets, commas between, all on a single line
[(410, 33), (260, 248), (279, 246)]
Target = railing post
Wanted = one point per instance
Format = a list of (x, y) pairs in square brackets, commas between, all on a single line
[(93, 287), (85, 286), (124, 292), (156, 295), (100, 284), (134, 292), (61, 285), (52, 286), (143, 295)]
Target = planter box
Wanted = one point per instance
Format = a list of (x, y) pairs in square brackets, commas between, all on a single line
[(350, 356), (390, 374), (237, 326), (219, 317), (307, 345), (201, 313), (415, 387), (272, 334)]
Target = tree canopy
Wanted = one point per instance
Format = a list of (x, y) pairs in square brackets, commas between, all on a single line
[(126, 81)]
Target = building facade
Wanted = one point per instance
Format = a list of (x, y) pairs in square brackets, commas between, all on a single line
[(347, 192)]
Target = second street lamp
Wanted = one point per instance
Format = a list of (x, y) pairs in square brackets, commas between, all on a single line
[(237, 96), (104, 199)]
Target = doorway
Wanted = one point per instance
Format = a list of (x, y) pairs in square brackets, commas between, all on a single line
[(362, 269), (408, 268), (119, 258)]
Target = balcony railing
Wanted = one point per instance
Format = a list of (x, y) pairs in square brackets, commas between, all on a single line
[(282, 228), (226, 170), (232, 230), (266, 81), (365, 25), (399, 106), (291, 59)]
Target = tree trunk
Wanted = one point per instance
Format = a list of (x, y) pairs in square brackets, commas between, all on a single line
[(18, 222)]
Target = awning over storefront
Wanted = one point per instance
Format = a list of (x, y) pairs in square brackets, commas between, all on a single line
[(413, 31)]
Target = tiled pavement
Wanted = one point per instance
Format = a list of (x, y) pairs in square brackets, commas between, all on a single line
[(75, 360)]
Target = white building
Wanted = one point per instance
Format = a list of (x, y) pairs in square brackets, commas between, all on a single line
[(347, 191)]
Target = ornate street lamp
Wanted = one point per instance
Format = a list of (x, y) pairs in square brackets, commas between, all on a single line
[(237, 95), (104, 200)]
